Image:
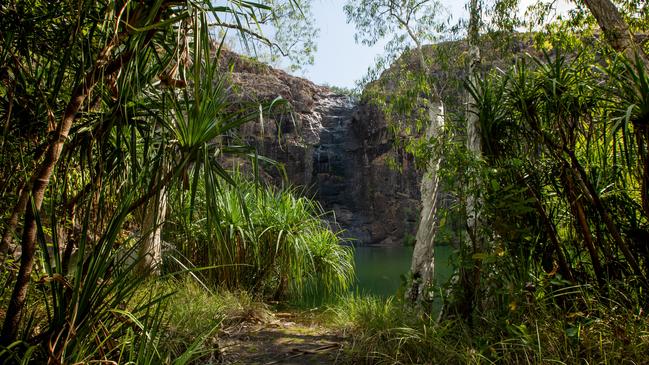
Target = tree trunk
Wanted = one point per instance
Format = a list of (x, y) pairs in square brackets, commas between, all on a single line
[(616, 30), (41, 178), (592, 194), (470, 275), (582, 225), (474, 142), (643, 137), (423, 257), (150, 253)]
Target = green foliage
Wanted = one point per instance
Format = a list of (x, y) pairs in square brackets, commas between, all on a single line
[(385, 331), (194, 311), (97, 307), (553, 323), (410, 24), (561, 178), (104, 105), (269, 241), (280, 32), (294, 32), (376, 19), (350, 92)]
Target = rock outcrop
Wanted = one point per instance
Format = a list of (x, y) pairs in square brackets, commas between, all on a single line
[(388, 180), (340, 152)]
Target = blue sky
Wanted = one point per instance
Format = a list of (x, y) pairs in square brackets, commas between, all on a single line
[(339, 60)]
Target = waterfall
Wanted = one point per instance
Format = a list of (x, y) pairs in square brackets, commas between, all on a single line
[(337, 164)]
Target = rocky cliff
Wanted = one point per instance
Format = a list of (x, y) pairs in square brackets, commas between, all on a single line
[(340, 152)]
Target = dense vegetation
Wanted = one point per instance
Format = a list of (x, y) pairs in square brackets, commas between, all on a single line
[(543, 178), (128, 239), (117, 116), (562, 275)]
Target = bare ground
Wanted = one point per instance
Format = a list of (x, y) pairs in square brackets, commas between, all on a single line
[(281, 338)]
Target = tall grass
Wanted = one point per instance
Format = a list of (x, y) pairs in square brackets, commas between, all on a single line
[(194, 311), (557, 323), (95, 305), (388, 331), (266, 240)]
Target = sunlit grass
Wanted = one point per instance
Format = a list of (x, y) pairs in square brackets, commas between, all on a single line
[(570, 326), (265, 240)]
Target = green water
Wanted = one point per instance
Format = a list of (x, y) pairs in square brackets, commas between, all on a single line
[(379, 270)]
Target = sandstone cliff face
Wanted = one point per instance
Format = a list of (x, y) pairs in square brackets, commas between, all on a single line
[(390, 197), (342, 152), (286, 133), (339, 151)]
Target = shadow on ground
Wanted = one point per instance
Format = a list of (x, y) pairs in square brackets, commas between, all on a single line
[(281, 341)]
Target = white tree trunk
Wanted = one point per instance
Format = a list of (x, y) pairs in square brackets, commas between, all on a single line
[(151, 248), (423, 257)]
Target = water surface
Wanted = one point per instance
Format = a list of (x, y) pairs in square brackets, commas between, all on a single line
[(381, 271)]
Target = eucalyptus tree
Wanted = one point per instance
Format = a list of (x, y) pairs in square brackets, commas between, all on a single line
[(293, 32), (412, 24), (616, 30), (407, 24), (280, 32)]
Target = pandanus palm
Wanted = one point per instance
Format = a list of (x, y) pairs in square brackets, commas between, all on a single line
[(93, 86), (570, 180), (630, 94)]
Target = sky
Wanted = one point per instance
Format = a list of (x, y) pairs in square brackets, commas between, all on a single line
[(340, 61)]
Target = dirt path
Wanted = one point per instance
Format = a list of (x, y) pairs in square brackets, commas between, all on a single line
[(284, 338)]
